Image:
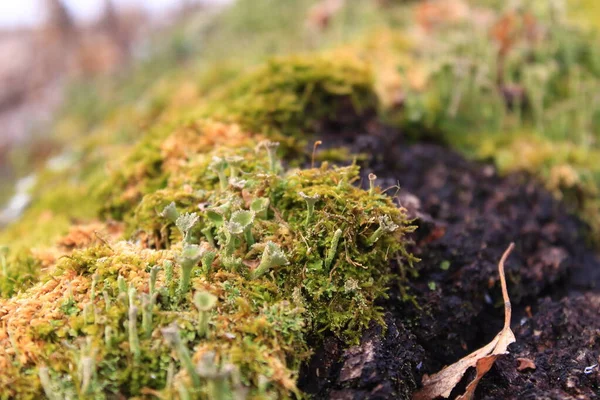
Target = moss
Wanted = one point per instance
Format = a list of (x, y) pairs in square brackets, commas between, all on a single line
[(287, 253), (102, 118), (142, 171), (49, 217), (297, 95), (51, 213), (74, 311), (318, 272), (18, 270), (155, 162), (288, 96), (146, 216)]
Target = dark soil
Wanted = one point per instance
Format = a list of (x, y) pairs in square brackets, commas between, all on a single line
[(562, 340), (467, 215)]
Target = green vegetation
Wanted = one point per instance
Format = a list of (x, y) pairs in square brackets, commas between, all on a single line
[(285, 99), (293, 96), (235, 324), (227, 270), (178, 251)]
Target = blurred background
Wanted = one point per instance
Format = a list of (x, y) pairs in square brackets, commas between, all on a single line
[(46, 43), (50, 46)]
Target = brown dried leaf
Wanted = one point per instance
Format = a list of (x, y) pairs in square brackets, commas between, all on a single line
[(442, 383), (525, 363)]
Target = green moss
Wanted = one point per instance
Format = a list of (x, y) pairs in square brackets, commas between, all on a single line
[(18, 270), (88, 325), (146, 216), (287, 97), (102, 118), (52, 211), (298, 95), (286, 253), (141, 172), (277, 275)]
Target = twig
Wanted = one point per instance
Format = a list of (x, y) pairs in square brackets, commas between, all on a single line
[(507, 306)]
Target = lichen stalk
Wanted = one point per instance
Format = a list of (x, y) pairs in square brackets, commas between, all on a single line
[(333, 248)]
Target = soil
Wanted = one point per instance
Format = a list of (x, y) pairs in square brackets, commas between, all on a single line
[(466, 216)]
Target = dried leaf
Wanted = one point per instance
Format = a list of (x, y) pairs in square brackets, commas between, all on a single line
[(442, 383), (525, 363)]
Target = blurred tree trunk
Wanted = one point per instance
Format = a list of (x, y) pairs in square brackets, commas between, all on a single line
[(60, 23), (110, 24)]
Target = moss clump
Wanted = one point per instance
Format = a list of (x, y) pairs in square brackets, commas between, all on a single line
[(21, 266), (51, 214), (285, 98), (297, 95), (113, 318), (17, 270), (303, 93), (158, 158)]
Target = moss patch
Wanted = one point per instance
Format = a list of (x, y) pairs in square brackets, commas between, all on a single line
[(296, 95), (269, 256), (286, 99)]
